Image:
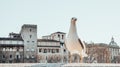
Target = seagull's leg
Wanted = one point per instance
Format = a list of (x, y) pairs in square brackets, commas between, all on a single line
[(81, 58), (80, 61)]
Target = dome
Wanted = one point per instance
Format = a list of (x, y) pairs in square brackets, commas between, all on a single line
[(113, 43)]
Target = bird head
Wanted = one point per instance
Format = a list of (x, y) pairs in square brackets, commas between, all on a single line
[(74, 19)]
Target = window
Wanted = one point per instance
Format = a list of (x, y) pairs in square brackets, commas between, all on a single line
[(30, 30), (53, 51), (10, 56), (64, 50), (39, 50), (61, 44), (57, 50), (3, 56), (58, 35), (45, 50), (30, 36), (32, 41), (32, 50), (27, 49), (27, 56), (28, 41), (62, 36), (17, 56), (32, 56)]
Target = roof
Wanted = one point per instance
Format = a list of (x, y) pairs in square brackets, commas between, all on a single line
[(20, 39), (98, 44), (47, 40), (12, 33), (29, 25), (59, 32), (113, 43)]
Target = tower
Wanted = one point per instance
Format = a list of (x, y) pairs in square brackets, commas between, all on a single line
[(29, 36)]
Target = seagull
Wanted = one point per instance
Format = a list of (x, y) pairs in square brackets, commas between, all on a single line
[(73, 43)]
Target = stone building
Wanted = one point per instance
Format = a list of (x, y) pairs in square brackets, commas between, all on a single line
[(29, 35), (25, 47), (55, 48), (12, 49), (20, 47), (49, 51)]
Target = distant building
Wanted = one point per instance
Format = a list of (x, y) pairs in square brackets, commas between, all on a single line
[(24, 47), (98, 52), (103, 53), (49, 51), (29, 35), (114, 50), (52, 47), (12, 49)]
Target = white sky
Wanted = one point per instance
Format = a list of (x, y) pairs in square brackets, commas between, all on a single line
[(98, 20)]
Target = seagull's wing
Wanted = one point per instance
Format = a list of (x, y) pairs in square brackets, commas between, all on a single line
[(81, 43), (83, 47)]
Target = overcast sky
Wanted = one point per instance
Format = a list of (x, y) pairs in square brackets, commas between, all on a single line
[(98, 20)]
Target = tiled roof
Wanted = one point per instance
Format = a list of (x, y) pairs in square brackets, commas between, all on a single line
[(47, 40)]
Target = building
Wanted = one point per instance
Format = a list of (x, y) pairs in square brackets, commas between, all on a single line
[(29, 35), (98, 53), (24, 47), (49, 51), (12, 49), (51, 48), (103, 53), (20, 47), (114, 50)]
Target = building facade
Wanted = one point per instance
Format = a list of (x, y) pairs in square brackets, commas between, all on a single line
[(103, 53), (29, 36), (98, 53), (54, 42), (24, 47), (12, 49), (49, 51), (114, 50)]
